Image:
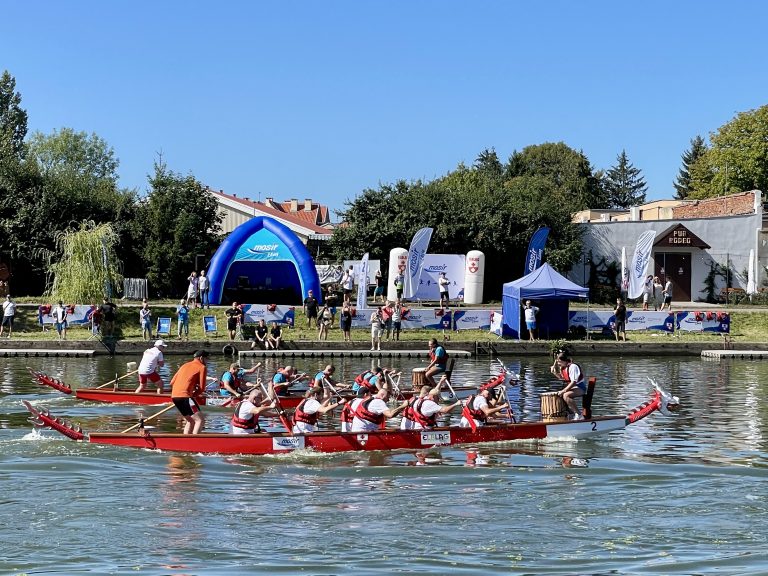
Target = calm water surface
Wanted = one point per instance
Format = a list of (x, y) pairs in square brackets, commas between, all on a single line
[(669, 495)]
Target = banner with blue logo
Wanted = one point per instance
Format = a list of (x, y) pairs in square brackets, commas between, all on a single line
[(281, 314), (416, 252), (535, 250), (431, 267), (709, 321)]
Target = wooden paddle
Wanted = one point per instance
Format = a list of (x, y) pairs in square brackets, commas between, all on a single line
[(114, 382), (143, 420)]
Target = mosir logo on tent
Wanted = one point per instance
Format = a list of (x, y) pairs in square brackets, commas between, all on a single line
[(263, 248)]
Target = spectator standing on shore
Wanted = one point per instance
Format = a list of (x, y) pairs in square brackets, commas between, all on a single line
[(397, 319), (443, 282), (620, 318), (324, 323), (346, 322), (182, 315), (332, 301), (658, 299), (381, 283), (386, 314), (647, 291), (530, 319), (108, 315), (377, 327), (193, 289), (399, 284), (310, 309), (145, 320), (204, 285), (667, 293), (9, 311), (348, 283), (234, 319), (59, 314)]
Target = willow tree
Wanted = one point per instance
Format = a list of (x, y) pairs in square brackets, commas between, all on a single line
[(86, 267)]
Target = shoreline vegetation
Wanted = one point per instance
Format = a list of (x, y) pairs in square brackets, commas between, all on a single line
[(748, 324)]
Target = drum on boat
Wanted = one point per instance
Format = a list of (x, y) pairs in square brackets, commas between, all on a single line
[(553, 407), (419, 378)]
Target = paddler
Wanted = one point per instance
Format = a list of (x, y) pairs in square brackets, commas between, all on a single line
[(245, 418), (422, 411), (151, 360), (310, 409), (325, 381), (233, 382), (189, 382), (372, 413), (283, 379), (481, 406)]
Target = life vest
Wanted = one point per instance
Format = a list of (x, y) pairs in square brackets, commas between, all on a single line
[(476, 413), (363, 377), (250, 423), (300, 416), (363, 413), (443, 361), (347, 414), (413, 413), (236, 383)]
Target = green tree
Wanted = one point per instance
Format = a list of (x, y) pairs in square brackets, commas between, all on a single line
[(625, 184), (13, 119), (569, 171), (85, 267), (737, 159), (178, 220), (683, 184)]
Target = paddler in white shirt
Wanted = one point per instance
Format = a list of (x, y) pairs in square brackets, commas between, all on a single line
[(310, 409), (422, 412), (245, 418), (479, 407), (372, 413)]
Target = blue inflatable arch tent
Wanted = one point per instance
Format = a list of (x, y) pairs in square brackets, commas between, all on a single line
[(262, 262), (546, 289)]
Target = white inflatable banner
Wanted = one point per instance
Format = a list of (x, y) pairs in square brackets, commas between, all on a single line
[(452, 265)]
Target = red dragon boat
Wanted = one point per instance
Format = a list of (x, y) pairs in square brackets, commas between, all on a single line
[(386, 439), (211, 399)]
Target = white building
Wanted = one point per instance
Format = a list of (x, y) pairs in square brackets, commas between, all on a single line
[(690, 236)]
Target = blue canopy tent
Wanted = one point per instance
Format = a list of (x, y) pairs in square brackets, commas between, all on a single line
[(544, 283), (262, 261)]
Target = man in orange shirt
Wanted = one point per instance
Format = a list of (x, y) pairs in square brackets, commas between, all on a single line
[(188, 382)]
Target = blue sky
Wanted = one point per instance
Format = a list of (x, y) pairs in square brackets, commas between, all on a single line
[(324, 99)]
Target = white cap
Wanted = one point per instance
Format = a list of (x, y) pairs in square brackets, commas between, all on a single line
[(159, 343)]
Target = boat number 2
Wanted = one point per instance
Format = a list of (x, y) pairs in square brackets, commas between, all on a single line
[(594, 425)]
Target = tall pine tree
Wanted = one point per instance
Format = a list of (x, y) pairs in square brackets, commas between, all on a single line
[(625, 184), (689, 157)]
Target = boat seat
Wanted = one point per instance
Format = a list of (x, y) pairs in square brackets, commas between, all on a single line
[(586, 402)]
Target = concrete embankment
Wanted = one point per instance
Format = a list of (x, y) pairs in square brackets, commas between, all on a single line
[(331, 349)]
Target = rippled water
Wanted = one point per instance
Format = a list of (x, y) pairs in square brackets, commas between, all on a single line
[(669, 495)]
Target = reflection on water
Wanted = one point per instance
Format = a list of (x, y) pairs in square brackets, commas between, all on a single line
[(672, 495)]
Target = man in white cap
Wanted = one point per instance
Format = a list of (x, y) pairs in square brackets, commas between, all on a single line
[(150, 362)]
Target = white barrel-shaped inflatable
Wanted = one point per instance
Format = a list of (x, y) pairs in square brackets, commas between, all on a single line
[(398, 258), (474, 273)]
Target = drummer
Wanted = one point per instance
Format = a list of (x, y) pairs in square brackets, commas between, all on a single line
[(438, 362), (568, 371)]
